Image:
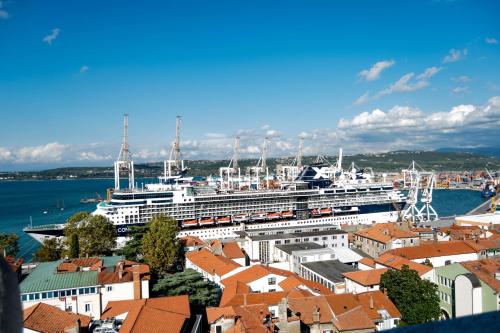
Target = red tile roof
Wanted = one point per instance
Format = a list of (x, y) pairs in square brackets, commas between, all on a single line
[(380, 301), (214, 313), (485, 270), (368, 262), (211, 263), (306, 307), (156, 315), (254, 273), (397, 262), (354, 319), (231, 250), (433, 249), (46, 318), (366, 278), (190, 241), (14, 263), (385, 233)]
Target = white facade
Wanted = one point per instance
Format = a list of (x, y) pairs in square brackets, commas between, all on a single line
[(268, 283), (122, 291), (449, 259), (356, 288), (468, 296)]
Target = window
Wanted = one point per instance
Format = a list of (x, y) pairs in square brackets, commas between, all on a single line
[(271, 281), (272, 290), (218, 329), (73, 292), (88, 307), (109, 288), (92, 290), (24, 298), (44, 295)]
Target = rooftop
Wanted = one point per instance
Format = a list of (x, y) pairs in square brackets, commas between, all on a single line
[(330, 269), (155, 315), (433, 249), (486, 270), (397, 262), (366, 278), (232, 250), (291, 235), (46, 318), (211, 263), (289, 248), (385, 233)]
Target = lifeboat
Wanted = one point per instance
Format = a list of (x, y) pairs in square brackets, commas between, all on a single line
[(273, 216), (287, 214), (315, 212), (326, 211), (240, 218), (224, 220), (260, 216), (190, 223), (207, 221)]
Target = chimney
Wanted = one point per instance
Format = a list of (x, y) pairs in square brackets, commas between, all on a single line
[(137, 282), (371, 302), (120, 270), (315, 316), (244, 299)]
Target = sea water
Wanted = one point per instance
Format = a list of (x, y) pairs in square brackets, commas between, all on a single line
[(53, 201)]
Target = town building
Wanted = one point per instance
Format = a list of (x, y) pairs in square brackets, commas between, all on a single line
[(44, 318), (86, 285), (381, 237), (210, 265), (363, 281), (329, 273), (161, 315), (469, 287), (438, 253), (388, 260), (259, 244)]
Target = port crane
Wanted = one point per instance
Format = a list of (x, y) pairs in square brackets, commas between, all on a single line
[(174, 163), (427, 212), (124, 163), (232, 168)]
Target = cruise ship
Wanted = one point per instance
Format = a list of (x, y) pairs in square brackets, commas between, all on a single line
[(319, 194)]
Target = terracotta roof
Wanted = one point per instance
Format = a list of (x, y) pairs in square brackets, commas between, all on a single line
[(385, 232), (484, 244), (211, 263), (485, 270), (251, 319), (214, 313), (433, 249), (231, 250), (397, 262), (368, 262), (269, 298), (108, 276), (340, 303), (46, 318), (421, 230), (232, 290), (157, 315), (380, 302), (306, 307), (354, 319), (294, 281), (190, 241), (254, 273), (366, 278)]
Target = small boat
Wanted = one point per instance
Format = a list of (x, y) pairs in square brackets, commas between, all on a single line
[(207, 221), (325, 211), (45, 212), (224, 220), (259, 216), (190, 223), (240, 218), (287, 214), (273, 216)]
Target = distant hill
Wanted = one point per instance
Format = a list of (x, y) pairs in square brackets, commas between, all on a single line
[(486, 151), (393, 161)]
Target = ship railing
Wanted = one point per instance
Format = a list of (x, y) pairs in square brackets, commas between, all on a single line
[(44, 226)]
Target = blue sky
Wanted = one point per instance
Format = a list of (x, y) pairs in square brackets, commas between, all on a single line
[(364, 75)]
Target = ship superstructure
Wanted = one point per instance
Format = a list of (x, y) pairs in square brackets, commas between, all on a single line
[(320, 194)]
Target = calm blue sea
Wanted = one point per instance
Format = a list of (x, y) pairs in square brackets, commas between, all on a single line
[(21, 199)]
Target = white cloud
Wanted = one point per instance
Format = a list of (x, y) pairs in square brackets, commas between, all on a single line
[(264, 127), (404, 127), (3, 13), (5, 154), (460, 89), (491, 40), (374, 72), (84, 69), (455, 55), (428, 73), (52, 36), (363, 99), (51, 152), (461, 79), (215, 135), (92, 156), (273, 133)]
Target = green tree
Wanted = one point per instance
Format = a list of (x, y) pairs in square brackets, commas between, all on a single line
[(416, 299), (9, 244), (132, 249), (74, 246), (73, 222), (201, 292), (96, 236), (160, 247), (51, 250)]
